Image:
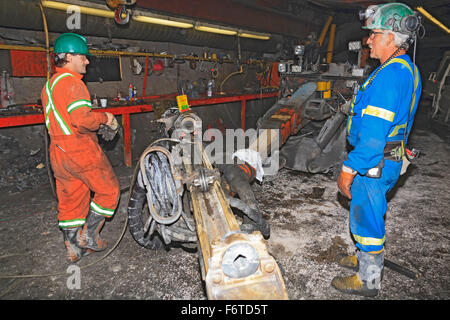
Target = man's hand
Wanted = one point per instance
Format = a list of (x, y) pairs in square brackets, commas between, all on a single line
[(111, 119), (109, 130), (345, 181)]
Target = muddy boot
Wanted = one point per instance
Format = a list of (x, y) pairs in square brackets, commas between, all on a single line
[(71, 237), (348, 261), (90, 237), (366, 282)]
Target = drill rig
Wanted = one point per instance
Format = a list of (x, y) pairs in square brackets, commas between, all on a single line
[(180, 195)]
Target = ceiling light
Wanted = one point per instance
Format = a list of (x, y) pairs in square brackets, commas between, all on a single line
[(254, 35), (214, 29), (85, 10), (162, 20)]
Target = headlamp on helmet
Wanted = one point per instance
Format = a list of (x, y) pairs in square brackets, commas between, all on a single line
[(368, 13), (396, 17)]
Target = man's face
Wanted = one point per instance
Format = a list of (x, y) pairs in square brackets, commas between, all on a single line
[(377, 43), (78, 62)]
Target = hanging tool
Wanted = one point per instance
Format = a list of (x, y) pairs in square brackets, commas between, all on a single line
[(121, 13)]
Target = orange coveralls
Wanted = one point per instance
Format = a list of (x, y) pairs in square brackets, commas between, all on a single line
[(79, 164)]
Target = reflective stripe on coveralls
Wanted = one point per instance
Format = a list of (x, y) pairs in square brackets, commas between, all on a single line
[(368, 204), (78, 104), (71, 223), (100, 210), (50, 107), (386, 114), (78, 162)]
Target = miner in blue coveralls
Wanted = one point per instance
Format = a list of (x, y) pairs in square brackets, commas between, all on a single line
[(380, 120)]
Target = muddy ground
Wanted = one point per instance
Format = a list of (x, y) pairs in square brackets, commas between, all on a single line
[(309, 229)]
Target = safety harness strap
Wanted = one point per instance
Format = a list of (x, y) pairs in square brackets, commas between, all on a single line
[(413, 99)]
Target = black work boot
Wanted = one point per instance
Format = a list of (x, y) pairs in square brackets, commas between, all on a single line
[(71, 238), (90, 237)]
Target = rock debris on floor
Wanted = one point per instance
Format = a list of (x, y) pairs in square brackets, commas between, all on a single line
[(309, 229)]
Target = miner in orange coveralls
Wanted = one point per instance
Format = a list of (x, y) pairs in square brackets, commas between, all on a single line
[(78, 162)]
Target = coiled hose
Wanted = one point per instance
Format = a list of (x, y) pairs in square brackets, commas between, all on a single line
[(155, 185)]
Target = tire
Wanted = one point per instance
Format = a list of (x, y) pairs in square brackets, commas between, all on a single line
[(136, 225)]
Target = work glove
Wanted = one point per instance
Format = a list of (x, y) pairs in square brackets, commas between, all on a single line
[(345, 181), (108, 132)]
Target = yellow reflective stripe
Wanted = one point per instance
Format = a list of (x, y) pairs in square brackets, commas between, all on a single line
[(413, 100), (379, 113), (403, 62), (416, 79), (416, 83), (396, 128), (350, 117), (366, 241)]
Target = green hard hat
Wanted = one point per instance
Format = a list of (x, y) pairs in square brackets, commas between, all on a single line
[(71, 43), (397, 17)]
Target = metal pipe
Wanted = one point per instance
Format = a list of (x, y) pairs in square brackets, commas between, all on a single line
[(331, 43), (433, 19), (324, 30)]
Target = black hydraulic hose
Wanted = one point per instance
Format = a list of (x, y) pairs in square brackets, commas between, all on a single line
[(253, 214), (330, 129), (164, 204), (239, 184)]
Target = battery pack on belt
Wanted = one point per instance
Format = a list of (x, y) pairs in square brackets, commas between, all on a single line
[(393, 151)]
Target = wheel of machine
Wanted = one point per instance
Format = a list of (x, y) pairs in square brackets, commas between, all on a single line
[(137, 210)]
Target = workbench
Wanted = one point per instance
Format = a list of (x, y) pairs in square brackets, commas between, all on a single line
[(145, 106)]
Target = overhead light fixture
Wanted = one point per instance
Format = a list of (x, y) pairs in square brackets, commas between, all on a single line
[(145, 17), (139, 16), (254, 35), (214, 29), (83, 9)]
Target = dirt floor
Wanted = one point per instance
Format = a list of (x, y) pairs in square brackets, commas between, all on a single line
[(309, 229)]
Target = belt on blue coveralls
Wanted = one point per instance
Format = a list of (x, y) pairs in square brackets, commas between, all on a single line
[(394, 151)]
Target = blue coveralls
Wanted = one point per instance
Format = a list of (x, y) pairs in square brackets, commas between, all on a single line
[(380, 111)]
